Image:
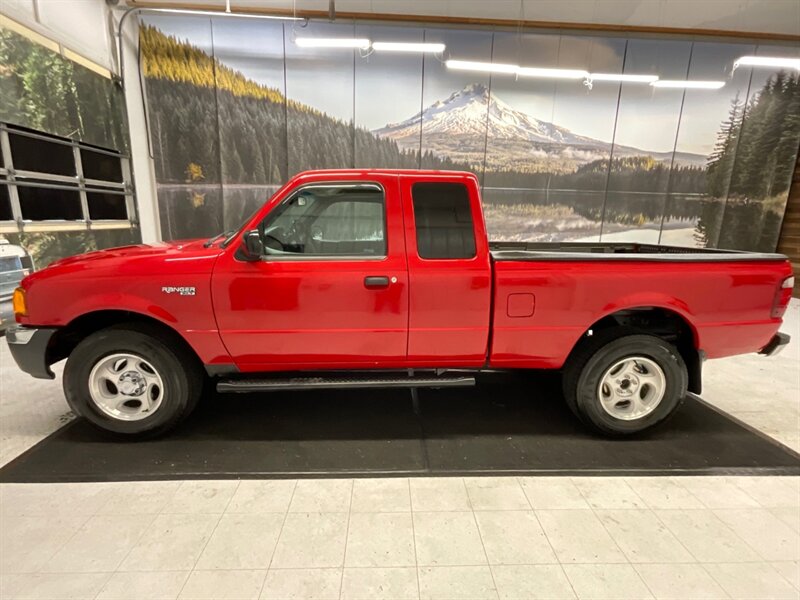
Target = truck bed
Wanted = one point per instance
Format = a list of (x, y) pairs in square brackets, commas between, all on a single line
[(548, 295), (578, 251)]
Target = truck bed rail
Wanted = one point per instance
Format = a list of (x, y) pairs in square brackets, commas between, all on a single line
[(598, 251)]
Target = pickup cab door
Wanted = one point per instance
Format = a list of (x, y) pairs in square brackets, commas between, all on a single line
[(449, 271), (331, 290)]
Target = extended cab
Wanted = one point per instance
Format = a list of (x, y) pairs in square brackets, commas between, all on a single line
[(383, 278)]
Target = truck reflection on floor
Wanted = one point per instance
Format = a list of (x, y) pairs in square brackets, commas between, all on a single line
[(15, 264)]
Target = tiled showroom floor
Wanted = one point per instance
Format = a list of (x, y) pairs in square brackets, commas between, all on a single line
[(512, 537)]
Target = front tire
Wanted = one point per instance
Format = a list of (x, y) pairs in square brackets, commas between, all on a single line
[(622, 382), (132, 380)]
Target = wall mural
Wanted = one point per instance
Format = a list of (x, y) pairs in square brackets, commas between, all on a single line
[(238, 106), (43, 91)]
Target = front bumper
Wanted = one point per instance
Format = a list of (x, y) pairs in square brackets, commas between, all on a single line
[(29, 348), (775, 345)]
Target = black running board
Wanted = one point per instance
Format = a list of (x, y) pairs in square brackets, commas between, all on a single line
[(325, 383)]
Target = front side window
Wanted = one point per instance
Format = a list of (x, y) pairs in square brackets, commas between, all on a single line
[(328, 220)]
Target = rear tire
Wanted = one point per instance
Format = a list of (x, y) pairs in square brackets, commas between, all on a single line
[(133, 380), (621, 381)]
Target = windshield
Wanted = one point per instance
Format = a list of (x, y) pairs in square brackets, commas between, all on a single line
[(10, 263), (232, 233)]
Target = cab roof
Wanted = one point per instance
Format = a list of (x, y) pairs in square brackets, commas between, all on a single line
[(379, 171)]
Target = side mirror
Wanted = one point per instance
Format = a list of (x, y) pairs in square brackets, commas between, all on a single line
[(252, 249)]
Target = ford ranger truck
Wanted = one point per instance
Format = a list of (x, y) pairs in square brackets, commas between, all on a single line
[(386, 278)]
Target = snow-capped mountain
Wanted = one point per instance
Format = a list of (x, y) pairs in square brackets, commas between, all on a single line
[(456, 127), (464, 113)]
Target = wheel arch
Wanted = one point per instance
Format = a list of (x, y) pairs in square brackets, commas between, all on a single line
[(659, 320), (68, 337)]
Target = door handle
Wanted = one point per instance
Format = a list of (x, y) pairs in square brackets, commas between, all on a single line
[(376, 282)]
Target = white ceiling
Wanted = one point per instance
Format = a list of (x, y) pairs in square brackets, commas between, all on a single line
[(753, 16), (80, 25)]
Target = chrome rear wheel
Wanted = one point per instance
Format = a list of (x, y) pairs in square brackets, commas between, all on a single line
[(632, 388), (621, 382)]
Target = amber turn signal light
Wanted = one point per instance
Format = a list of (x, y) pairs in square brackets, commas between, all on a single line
[(19, 303)]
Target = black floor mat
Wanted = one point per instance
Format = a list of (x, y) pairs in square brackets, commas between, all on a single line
[(504, 425)]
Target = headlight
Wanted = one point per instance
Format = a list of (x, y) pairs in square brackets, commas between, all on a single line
[(19, 303)]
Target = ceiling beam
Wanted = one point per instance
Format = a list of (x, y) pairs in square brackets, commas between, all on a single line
[(483, 22)]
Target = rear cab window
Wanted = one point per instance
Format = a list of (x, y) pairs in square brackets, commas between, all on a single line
[(443, 220)]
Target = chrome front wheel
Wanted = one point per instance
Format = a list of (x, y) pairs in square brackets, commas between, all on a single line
[(632, 388), (126, 387)]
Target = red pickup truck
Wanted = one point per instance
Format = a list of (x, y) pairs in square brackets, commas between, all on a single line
[(386, 278)]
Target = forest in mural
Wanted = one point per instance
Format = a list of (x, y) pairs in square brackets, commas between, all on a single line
[(236, 109), (43, 91)]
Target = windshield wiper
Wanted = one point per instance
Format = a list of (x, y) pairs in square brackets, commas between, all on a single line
[(219, 235)]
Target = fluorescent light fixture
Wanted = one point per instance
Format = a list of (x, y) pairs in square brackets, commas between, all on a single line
[(768, 61), (361, 43), (483, 67), (220, 13), (688, 84), (625, 78), (407, 47), (552, 73)]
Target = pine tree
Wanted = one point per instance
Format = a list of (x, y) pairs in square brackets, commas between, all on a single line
[(787, 146), (720, 162)]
